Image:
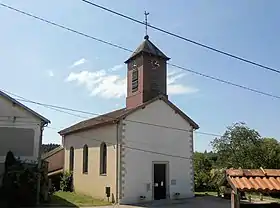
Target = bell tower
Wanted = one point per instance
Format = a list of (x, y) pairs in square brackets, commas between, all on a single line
[(146, 74)]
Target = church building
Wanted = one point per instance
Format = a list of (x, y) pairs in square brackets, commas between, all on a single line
[(139, 153)]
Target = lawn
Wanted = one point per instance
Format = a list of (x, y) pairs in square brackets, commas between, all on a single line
[(72, 199), (206, 193), (256, 197)]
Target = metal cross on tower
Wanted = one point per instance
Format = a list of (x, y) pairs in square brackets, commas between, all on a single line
[(146, 24)]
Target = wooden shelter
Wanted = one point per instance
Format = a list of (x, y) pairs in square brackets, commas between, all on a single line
[(252, 180)]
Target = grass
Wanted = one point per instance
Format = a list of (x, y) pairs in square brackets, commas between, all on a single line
[(72, 199), (256, 197), (206, 193)]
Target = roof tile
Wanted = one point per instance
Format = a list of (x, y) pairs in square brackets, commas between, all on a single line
[(254, 179)]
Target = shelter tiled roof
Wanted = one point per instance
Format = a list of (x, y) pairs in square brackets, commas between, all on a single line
[(262, 180)]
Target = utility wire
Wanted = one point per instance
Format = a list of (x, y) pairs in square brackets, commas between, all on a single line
[(184, 38), (62, 26), (123, 48), (62, 109), (132, 148), (226, 82)]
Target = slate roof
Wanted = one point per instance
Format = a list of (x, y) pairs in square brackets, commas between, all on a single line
[(115, 116), (148, 47), (96, 121), (24, 107), (262, 180)]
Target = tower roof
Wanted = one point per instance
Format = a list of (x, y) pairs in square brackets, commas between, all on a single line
[(147, 47)]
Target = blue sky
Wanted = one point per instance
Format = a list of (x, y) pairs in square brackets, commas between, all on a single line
[(50, 65)]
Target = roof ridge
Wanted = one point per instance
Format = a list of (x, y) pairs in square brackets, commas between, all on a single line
[(99, 120), (118, 114)]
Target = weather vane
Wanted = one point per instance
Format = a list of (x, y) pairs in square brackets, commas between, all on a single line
[(146, 24)]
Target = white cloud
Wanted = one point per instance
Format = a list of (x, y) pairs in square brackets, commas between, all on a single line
[(100, 83), (50, 73), (117, 67), (104, 84), (173, 87), (79, 62), (177, 89)]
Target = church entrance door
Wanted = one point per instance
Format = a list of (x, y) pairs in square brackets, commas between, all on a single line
[(159, 181)]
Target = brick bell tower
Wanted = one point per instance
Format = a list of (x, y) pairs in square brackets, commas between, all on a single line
[(146, 74)]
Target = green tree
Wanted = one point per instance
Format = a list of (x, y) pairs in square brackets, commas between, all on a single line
[(48, 147), (239, 146), (218, 179), (202, 168), (270, 152)]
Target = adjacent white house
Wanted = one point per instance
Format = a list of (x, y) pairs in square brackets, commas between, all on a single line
[(21, 130), (141, 152)]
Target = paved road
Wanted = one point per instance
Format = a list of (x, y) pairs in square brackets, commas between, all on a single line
[(198, 202)]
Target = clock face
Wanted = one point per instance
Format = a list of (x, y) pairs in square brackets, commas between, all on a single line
[(155, 64)]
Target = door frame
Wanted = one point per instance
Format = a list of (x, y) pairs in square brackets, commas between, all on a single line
[(166, 177)]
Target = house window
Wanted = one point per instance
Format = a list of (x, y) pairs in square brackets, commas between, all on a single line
[(85, 159), (71, 159), (135, 80), (103, 159)]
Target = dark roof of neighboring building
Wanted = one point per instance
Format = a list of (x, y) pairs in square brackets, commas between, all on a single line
[(52, 152), (115, 116), (148, 47), (267, 180), (24, 107)]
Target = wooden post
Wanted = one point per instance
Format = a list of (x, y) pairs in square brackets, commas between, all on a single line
[(235, 200), (232, 199), (237, 205), (261, 196)]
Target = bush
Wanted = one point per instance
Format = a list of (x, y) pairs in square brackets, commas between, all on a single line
[(66, 181), (10, 160), (19, 184)]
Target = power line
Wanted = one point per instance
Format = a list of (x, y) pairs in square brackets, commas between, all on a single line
[(226, 82), (133, 148), (183, 38), (62, 109), (128, 147), (63, 27), (125, 49)]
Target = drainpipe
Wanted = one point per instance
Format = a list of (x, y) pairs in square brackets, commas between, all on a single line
[(118, 160), (117, 163), (40, 162)]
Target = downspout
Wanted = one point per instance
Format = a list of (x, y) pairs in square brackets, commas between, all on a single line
[(117, 163), (43, 124)]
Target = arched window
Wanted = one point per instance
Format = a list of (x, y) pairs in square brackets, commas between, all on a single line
[(85, 159), (71, 159), (103, 159)]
